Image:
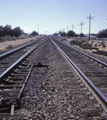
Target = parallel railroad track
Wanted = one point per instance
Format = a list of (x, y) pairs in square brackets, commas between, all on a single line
[(92, 70), (57, 92), (13, 81), (9, 57), (61, 90)]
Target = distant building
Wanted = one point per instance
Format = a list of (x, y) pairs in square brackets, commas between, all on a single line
[(92, 35)]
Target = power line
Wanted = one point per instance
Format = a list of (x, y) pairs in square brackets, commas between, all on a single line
[(101, 18), (86, 22), (100, 13), (103, 23)]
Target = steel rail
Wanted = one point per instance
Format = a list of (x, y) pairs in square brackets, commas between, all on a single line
[(95, 59), (16, 49), (21, 91), (99, 94), (21, 58)]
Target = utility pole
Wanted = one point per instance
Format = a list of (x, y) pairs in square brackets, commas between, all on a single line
[(38, 29), (67, 29), (63, 29), (81, 26), (72, 27), (90, 17)]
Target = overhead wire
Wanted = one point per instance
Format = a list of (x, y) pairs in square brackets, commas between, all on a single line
[(103, 23), (101, 18), (101, 12)]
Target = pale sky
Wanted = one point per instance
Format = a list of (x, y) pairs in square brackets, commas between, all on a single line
[(54, 15)]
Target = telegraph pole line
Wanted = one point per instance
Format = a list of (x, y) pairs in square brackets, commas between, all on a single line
[(81, 26), (67, 29), (90, 17)]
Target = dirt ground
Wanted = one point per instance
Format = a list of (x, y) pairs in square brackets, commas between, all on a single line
[(96, 43), (5, 44)]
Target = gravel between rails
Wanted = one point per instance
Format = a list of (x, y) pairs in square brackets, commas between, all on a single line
[(56, 93)]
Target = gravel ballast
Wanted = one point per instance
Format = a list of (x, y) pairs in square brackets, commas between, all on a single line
[(56, 92)]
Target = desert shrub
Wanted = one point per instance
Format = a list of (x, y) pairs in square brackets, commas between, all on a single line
[(95, 45), (92, 42), (30, 36), (14, 38), (104, 45), (81, 41), (74, 41), (64, 39), (86, 45), (9, 47), (6, 38)]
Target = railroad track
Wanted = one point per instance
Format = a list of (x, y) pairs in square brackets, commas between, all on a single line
[(58, 92), (13, 81), (54, 93), (92, 71), (9, 57)]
